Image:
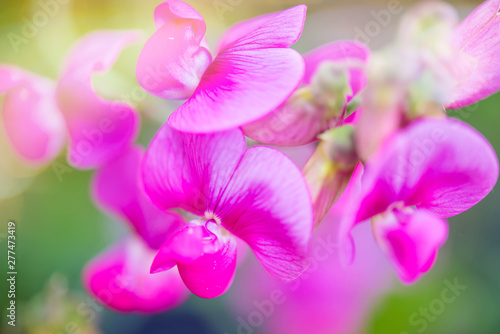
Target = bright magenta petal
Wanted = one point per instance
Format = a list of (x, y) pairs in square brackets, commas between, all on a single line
[(31, 117), (267, 204), (205, 256), (343, 215), (251, 76), (120, 279), (99, 130), (273, 30), (444, 166), (297, 122), (478, 37), (118, 187), (411, 241), (173, 60), (188, 171)]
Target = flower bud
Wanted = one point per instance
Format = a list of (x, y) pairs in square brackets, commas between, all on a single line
[(329, 169)]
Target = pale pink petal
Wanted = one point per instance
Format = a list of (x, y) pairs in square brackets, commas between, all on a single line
[(478, 38), (189, 171), (298, 122), (375, 126), (118, 188), (251, 76), (174, 58), (411, 241), (267, 204), (441, 165), (31, 117), (120, 279), (99, 129), (205, 256)]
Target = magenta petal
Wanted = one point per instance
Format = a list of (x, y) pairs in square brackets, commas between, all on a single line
[(251, 76), (173, 59), (118, 188), (205, 256), (99, 129), (189, 171), (120, 279), (343, 215), (444, 166), (267, 204), (478, 37), (297, 122), (273, 30), (411, 241), (31, 117)]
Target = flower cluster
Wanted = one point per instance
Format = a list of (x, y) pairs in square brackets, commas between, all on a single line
[(201, 193)]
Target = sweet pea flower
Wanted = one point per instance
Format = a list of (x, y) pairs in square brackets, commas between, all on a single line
[(256, 195), (31, 118), (431, 170), (119, 277), (99, 130), (252, 72), (39, 114), (334, 76)]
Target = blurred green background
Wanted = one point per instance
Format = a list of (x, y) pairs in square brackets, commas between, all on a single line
[(59, 229)]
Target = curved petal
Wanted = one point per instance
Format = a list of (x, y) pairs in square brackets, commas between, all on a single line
[(267, 204), (205, 256), (411, 241), (189, 171), (301, 118), (118, 188), (443, 166), (273, 30), (99, 130), (31, 117), (251, 76), (478, 37), (173, 59), (341, 51), (120, 279)]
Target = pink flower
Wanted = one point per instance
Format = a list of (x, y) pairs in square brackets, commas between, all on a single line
[(252, 73), (431, 170), (334, 75), (478, 38), (39, 114), (32, 120), (119, 277), (255, 194), (99, 130)]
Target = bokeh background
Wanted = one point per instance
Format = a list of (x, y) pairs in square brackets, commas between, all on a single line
[(59, 229)]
